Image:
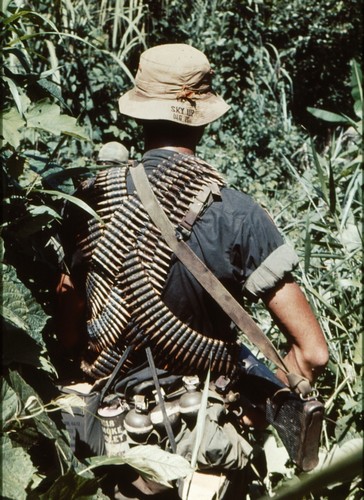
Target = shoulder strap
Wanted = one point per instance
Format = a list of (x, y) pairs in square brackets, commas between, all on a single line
[(203, 275)]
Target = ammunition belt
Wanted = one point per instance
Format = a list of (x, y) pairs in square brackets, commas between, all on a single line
[(128, 266)]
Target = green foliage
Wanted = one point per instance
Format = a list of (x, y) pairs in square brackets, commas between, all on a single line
[(345, 467), (318, 40), (18, 470), (73, 486), (64, 65), (251, 76), (151, 462), (322, 214)]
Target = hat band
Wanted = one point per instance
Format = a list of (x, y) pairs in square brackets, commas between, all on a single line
[(165, 91)]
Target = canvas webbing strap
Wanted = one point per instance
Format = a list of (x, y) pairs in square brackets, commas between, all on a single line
[(166, 421), (205, 277), (114, 373)]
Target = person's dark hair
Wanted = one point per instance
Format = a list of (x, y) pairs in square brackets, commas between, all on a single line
[(170, 133)]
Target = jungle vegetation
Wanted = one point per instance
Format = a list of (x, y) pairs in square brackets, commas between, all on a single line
[(290, 69)]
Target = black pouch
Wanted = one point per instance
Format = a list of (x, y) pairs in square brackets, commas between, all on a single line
[(298, 422)]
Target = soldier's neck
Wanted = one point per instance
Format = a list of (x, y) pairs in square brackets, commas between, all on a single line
[(186, 149), (180, 149), (180, 146)]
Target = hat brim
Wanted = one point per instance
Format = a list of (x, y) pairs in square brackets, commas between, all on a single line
[(206, 109)]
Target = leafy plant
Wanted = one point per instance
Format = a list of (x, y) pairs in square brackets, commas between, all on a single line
[(63, 68), (322, 214)]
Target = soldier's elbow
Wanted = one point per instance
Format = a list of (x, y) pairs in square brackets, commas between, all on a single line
[(318, 359)]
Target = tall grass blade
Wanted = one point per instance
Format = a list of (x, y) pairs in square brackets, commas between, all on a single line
[(76, 201), (320, 173), (353, 188), (200, 427), (307, 245), (332, 191)]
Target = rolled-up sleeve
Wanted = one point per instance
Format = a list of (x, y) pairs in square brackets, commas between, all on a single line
[(278, 264)]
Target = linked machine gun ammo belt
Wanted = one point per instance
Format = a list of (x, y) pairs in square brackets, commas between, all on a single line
[(128, 263)]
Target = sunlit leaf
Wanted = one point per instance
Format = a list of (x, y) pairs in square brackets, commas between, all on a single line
[(17, 470), (19, 306), (52, 89), (68, 402), (15, 93), (11, 123), (36, 210), (46, 116), (9, 403), (73, 487), (150, 461), (327, 115)]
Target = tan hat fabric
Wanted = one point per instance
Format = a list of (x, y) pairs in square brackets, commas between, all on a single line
[(173, 83)]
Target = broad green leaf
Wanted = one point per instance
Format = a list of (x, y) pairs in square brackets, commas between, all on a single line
[(14, 309), (350, 237), (34, 221), (327, 115), (358, 109), (43, 423), (35, 210), (53, 89), (15, 93), (9, 403), (19, 347), (19, 306), (11, 123), (47, 117), (150, 461), (156, 464), (17, 470), (67, 402), (71, 486)]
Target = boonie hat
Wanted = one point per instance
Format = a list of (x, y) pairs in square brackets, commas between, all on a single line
[(113, 152), (173, 83)]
